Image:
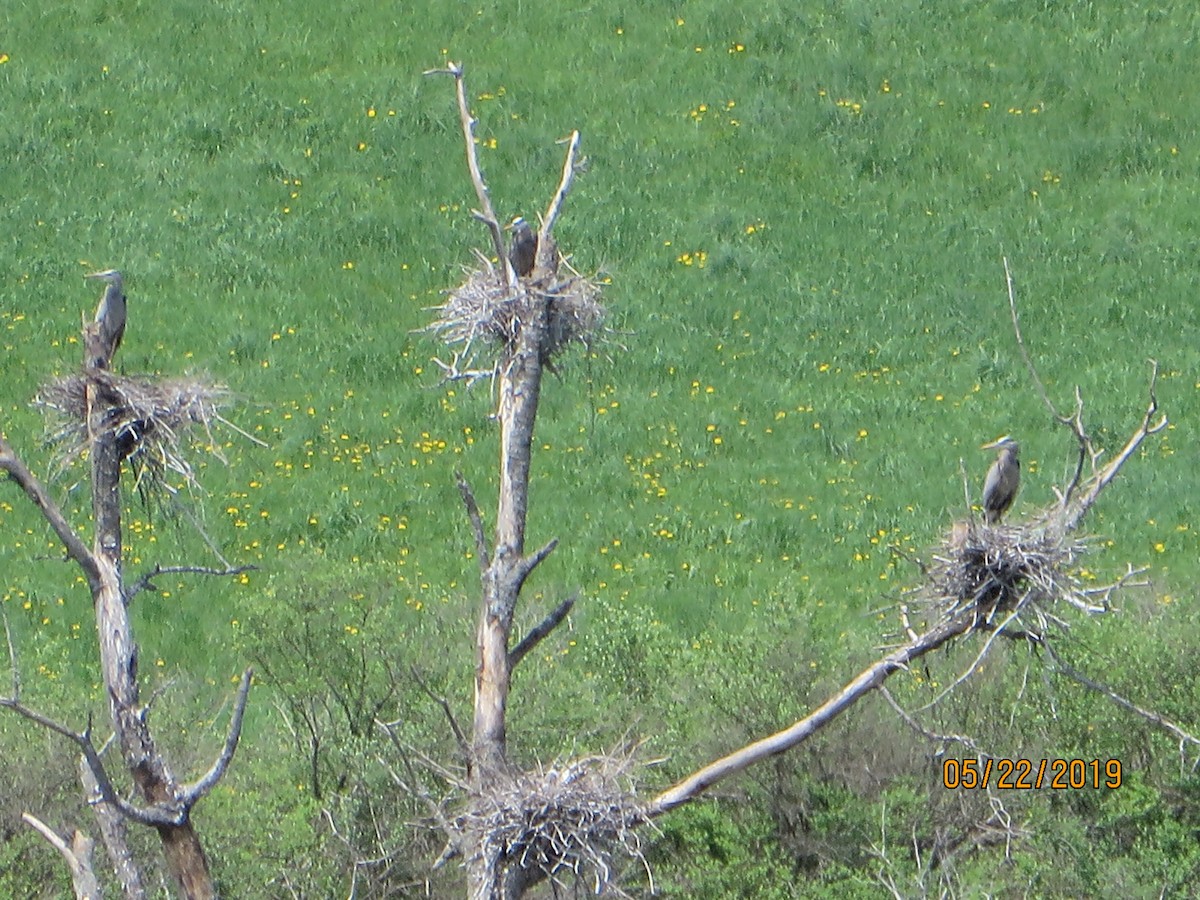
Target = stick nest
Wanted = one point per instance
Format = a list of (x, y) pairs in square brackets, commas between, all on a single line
[(485, 308), (1002, 570), (146, 416), (569, 819)]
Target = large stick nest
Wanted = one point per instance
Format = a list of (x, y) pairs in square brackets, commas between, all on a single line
[(1000, 572), (146, 416), (565, 821), (486, 308)]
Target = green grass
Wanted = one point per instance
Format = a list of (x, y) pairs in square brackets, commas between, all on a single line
[(803, 209)]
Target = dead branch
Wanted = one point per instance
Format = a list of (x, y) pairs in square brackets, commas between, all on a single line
[(1156, 719), (570, 166), (468, 499), (1037, 381), (865, 682), (532, 561), (414, 785), (487, 214), (543, 628), (76, 548), (1074, 423), (460, 737), (1151, 423), (113, 833), (191, 794), (157, 815), (942, 739), (78, 855), (454, 371), (146, 581)]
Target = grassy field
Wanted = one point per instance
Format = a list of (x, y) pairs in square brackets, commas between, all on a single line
[(803, 209)]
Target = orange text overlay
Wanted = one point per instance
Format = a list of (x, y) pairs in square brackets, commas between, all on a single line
[(1030, 774)]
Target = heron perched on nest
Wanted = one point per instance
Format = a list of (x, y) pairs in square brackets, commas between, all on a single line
[(523, 252), (110, 314), (1003, 479)]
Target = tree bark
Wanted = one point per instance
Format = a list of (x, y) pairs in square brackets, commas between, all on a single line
[(119, 656), (78, 856), (520, 390), (114, 836)]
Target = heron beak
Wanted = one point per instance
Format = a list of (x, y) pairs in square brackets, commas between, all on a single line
[(998, 442), (105, 275)]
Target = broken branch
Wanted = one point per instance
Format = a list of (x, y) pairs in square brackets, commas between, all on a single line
[(535, 636)]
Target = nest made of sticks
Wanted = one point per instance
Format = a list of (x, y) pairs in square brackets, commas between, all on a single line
[(146, 416), (568, 820), (486, 308), (1003, 571)]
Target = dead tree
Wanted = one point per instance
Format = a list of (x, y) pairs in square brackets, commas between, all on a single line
[(517, 828), (131, 424)]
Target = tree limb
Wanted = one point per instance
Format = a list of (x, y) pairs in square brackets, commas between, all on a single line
[(570, 167), (1160, 721), (78, 855), (76, 548), (146, 581), (190, 794), (159, 814), (529, 563), (535, 636), (1151, 423), (468, 499), (487, 214), (866, 681)]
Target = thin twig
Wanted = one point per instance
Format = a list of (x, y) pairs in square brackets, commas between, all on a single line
[(1037, 381), (926, 733), (464, 746)]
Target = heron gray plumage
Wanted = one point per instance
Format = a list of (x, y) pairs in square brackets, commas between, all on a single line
[(523, 251), (110, 314), (1003, 479)]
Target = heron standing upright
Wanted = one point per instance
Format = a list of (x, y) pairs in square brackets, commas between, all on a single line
[(110, 314), (1003, 479), (523, 252)]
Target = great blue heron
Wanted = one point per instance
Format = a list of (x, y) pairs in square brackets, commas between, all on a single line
[(1003, 479), (523, 252), (110, 314)]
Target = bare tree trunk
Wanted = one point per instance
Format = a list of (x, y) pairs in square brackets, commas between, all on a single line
[(118, 651), (520, 389), (489, 875)]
